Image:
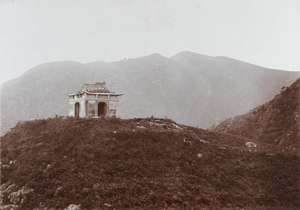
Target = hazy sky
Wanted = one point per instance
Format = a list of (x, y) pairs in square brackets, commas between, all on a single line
[(262, 32)]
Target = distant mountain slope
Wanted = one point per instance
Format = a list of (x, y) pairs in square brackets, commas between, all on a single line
[(190, 88), (276, 122), (138, 164)]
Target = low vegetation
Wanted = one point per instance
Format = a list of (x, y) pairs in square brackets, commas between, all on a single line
[(276, 122), (138, 163)]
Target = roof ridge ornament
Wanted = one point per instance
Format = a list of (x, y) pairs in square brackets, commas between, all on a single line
[(98, 87)]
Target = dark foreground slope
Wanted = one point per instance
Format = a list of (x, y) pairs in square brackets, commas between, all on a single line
[(276, 122), (113, 163)]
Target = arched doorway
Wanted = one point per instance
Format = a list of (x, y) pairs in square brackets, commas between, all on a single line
[(102, 109), (77, 108)]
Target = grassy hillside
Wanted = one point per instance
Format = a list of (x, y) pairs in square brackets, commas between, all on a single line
[(114, 163), (276, 122)]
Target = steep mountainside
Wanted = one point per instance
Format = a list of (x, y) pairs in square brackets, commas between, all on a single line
[(190, 88), (141, 163), (276, 122)]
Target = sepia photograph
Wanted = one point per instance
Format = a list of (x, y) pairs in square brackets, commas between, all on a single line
[(150, 104)]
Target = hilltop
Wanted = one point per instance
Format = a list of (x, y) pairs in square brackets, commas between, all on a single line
[(191, 88), (139, 163), (276, 122)]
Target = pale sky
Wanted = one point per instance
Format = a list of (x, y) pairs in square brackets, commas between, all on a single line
[(262, 32)]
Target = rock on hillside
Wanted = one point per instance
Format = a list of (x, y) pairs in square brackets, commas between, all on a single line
[(140, 163), (276, 122), (190, 88)]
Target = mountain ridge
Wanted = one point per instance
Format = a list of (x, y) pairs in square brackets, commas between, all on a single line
[(192, 89)]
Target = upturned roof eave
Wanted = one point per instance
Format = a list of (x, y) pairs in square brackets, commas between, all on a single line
[(110, 93)]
